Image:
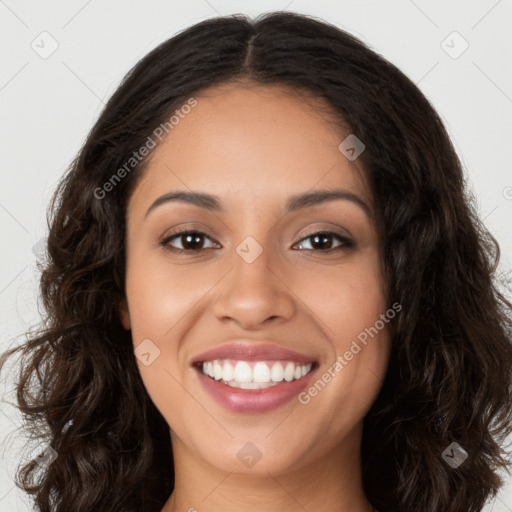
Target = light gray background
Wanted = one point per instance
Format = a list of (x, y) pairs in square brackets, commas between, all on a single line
[(49, 104)]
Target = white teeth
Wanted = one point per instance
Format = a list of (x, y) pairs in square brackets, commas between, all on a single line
[(289, 371), (228, 372), (261, 373), (254, 375), (251, 385), (243, 372), (277, 372), (217, 370)]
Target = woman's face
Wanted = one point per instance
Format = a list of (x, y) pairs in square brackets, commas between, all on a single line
[(259, 278)]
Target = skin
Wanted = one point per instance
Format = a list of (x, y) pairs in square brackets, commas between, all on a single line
[(254, 147)]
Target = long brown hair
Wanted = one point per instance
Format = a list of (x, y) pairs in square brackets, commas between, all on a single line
[(450, 371)]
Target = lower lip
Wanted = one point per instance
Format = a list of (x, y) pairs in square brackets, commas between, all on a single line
[(254, 400)]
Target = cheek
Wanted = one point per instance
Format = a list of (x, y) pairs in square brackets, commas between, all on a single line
[(346, 299), (349, 304), (158, 301), (159, 295)]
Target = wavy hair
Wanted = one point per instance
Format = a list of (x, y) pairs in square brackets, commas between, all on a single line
[(450, 369)]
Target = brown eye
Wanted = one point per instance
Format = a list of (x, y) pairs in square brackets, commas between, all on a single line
[(322, 242), (190, 241), (194, 241)]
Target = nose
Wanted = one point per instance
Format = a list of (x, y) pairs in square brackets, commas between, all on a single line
[(253, 294)]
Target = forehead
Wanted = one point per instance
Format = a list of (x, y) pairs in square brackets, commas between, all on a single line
[(252, 145)]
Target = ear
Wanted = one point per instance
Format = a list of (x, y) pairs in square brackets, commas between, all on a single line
[(124, 315)]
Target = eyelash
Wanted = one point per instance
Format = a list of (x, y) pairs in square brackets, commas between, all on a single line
[(346, 243)]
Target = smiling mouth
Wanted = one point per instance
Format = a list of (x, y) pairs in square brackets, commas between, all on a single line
[(254, 374)]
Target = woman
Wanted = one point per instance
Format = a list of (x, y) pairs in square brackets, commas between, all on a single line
[(267, 289)]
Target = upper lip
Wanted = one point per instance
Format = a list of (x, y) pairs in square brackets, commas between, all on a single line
[(251, 352)]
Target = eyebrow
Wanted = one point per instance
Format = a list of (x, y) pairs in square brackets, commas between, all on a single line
[(294, 203)]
